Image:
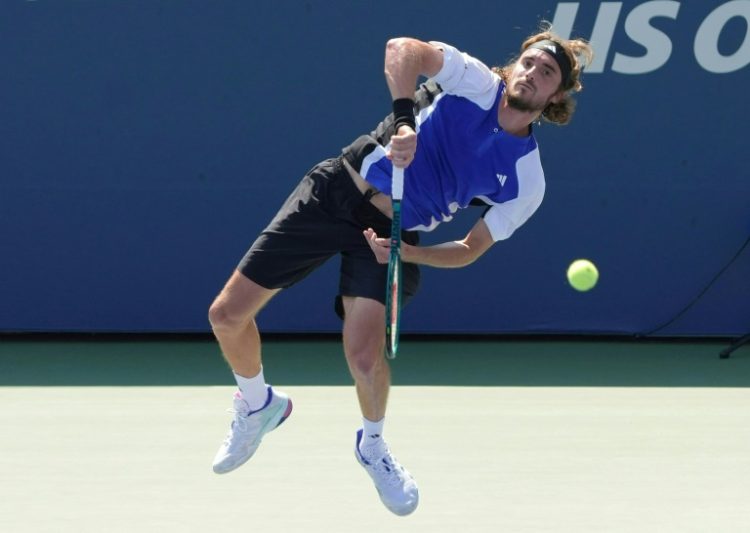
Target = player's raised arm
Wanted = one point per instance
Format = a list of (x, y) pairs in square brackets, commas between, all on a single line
[(405, 60)]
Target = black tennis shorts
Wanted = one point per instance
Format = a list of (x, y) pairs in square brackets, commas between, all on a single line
[(324, 216)]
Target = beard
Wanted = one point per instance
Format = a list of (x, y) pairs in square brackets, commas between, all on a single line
[(526, 105)]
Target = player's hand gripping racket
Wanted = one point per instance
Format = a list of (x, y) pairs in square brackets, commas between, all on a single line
[(393, 289)]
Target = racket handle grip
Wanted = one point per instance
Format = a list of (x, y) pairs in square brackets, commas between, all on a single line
[(397, 183)]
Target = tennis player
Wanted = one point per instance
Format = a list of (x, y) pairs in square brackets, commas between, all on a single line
[(465, 136)]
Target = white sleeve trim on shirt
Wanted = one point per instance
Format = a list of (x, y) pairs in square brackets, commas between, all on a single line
[(505, 218), (464, 75)]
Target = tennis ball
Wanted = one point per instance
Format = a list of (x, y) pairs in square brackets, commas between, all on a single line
[(582, 275)]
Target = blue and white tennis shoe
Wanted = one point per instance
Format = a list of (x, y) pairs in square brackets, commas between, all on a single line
[(397, 489), (248, 428)]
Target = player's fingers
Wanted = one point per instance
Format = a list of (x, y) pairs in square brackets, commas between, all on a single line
[(404, 145), (373, 238), (380, 246), (401, 159)]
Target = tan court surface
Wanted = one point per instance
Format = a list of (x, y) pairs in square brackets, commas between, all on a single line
[(573, 457)]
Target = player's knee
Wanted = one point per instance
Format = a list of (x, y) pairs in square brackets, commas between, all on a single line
[(364, 362), (222, 319)]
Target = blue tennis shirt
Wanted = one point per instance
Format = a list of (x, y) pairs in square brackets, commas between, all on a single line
[(462, 153)]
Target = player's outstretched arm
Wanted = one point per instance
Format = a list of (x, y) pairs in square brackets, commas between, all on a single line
[(453, 254)]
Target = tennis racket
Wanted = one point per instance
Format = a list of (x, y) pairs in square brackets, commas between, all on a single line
[(393, 289)]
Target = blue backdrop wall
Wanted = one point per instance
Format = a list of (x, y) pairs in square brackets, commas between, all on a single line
[(146, 143)]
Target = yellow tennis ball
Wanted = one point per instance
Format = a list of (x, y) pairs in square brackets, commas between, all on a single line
[(582, 275)]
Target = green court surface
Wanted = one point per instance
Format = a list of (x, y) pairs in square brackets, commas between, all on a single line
[(118, 434), (479, 362)]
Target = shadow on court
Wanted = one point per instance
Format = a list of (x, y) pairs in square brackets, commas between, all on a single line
[(101, 360)]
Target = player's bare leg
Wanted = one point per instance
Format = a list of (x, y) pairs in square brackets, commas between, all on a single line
[(364, 344), (232, 317)]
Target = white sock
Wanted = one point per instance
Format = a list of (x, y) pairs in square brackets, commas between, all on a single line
[(372, 433), (254, 390)]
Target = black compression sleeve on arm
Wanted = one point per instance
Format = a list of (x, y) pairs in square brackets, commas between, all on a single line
[(403, 113)]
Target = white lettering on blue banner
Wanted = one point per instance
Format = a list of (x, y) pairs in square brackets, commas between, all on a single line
[(658, 45)]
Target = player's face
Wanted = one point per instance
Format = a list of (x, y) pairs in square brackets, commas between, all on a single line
[(534, 81)]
